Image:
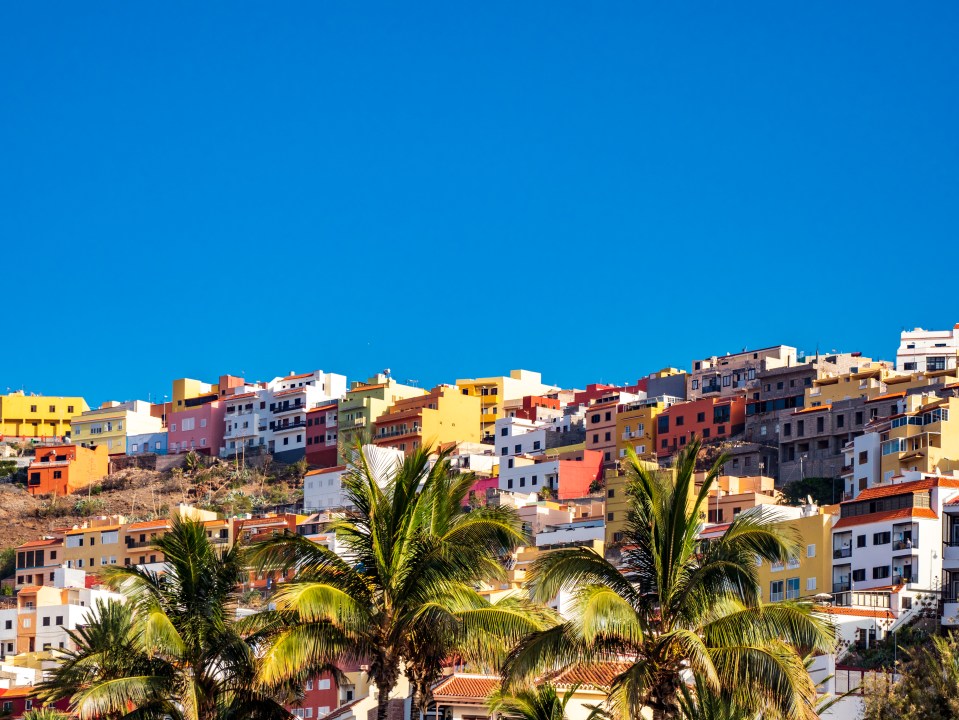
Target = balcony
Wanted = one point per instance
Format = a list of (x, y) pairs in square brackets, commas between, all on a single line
[(841, 586), (904, 545), (903, 579), (285, 408), (291, 426), (842, 552), (133, 544), (396, 432)]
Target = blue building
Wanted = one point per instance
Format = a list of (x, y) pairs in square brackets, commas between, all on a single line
[(154, 442)]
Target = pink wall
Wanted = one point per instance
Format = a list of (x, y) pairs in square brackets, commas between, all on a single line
[(575, 476), (206, 440)]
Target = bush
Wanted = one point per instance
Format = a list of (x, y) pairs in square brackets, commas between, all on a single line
[(85, 507)]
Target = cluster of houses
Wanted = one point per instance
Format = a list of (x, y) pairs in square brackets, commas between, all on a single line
[(883, 553)]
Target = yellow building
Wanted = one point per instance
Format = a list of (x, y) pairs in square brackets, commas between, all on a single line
[(96, 545), (636, 428), (38, 416), (187, 389), (925, 438), (811, 573), (112, 422), (364, 402), (493, 392), (440, 417)]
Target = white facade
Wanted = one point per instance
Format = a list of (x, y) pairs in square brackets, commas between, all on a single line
[(524, 475), (517, 436), (927, 350), (576, 532), (323, 489), (862, 456)]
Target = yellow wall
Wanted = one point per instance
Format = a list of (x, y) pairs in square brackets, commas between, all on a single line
[(642, 427), (52, 414), (94, 554), (456, 418), (928, 447), (115, 424), (364, 403), (813, 530), (187, 388), (494, 391)]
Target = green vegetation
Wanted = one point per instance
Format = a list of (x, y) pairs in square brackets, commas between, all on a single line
[(539, 703), (679, 605), (823, 491), (173, 649), (407, 600)]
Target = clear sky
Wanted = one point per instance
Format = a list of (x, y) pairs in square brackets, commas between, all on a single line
[(593, 190)]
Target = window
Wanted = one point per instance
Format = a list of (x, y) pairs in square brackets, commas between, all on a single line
[(509, 484), (536, 445), (820, 424), (610, 492), (504, 450), (8, 625), (792, 588), (800, 427), (695, 384), (811, 551), (59, 620), (840, 421), (811, 583), (680, 421), (880, 572), (860, 541), (596, 437), (776, 591), (608, 437), (609, 415), (881, 538), (700, 417), (517, 449), (324, 684), (609, 516), (504, 432), (859, 575), (787, 429), (57, 474)]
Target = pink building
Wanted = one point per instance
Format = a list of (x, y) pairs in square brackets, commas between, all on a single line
[(198, 427)]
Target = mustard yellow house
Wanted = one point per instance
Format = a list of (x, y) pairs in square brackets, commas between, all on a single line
[(38, 416), (493, 392)]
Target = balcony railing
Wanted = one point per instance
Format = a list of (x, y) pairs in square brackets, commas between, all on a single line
[(903, 579), (291, 426), (287, 408), (131, 544), (395, 432), (842, 586), (904, 544), (842, 552)]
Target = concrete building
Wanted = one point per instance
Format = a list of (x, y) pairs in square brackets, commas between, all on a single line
[(112, 423), (444, 415), (323, 488), (198, 427), (636, 426), (921, 350), (601, 416), (38, 560), (710, 419), (736, 374), (155, 443), (291, 397), (363, 403), (64, 469), (563, 475), (493, 392), (322, 435), (38, 416), (95, 545)]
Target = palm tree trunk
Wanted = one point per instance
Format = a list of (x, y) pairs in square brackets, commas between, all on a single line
[(383, 689)]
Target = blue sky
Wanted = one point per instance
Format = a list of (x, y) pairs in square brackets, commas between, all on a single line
[(450, 189)]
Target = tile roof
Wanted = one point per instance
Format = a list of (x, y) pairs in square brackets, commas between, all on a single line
[(366, 387), (322, 407), (158, 524), (473, 687), (812, 409), (856, 612), (291, 391), (241, 396), (888, 396), (912, 486), (322, 471), (595, 676), (343, 710), (884, 516), (41, 543), (297, 377)]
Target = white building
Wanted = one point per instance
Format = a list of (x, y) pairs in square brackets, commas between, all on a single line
[(927, 350), (273, 416), (323, 489)]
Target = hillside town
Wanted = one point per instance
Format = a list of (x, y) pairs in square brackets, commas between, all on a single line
[(856, 457)]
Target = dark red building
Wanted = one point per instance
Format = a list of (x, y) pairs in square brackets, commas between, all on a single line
[(321, 436)]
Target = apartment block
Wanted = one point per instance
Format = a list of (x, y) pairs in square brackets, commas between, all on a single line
[(445, 415), (112, 423), (709, 419), (493, 392), (928, 350), (95, 545), (38, 416), (155, 443), (322, 435), (38, 560), (736, 374), (601, 416), (366, 401), (636, 426), (198, 427)]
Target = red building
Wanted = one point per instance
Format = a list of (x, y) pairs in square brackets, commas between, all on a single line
[(530, 409), (707, 419), (321, 436), (321, 696), (16, 701), (595, 391)]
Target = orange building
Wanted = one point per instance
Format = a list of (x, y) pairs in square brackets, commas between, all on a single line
[(445, 415), (63, 469)]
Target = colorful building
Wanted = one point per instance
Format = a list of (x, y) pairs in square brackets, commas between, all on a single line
[(493, 392), (155, 443), (322, 432), (708, 419), (38, 416), (95, 545), (38, 560), (112, 423), (636, 426), (199, 426), (601, 423), (64, 469), (445, 415), (735, 374), (364, 402)]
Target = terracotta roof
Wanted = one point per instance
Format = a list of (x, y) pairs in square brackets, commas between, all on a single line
[(241, 396), (367, 387), (290, 392), (885, 515), (598, 676), (40, 543), (472, 687), (102, 528), (343, 709), (20, 691), (323, 471), (158, 524), (888, 396), (296, 377), (322, 407), (29, 589), (904, 488), (812, 409)]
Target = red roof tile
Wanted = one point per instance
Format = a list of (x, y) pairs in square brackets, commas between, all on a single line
[(475, 687), (856, 612), (598, 676), (40, 543), (322, 471), (322, 407), (812, 409), (888, 396), (904, 488), (885, 515)]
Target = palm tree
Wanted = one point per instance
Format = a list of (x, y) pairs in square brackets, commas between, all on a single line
[(44, 713), (406, 599), (172, 649), (539, 703), (677, 607)]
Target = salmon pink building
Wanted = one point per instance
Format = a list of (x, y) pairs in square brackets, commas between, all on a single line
[(199, 426), (707, 419)]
